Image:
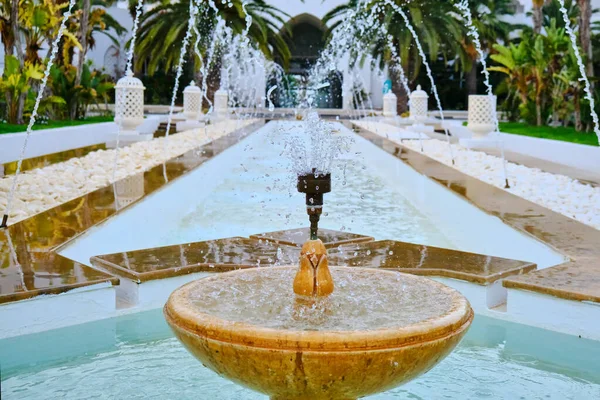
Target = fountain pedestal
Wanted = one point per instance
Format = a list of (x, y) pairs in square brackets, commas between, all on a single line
[(377, 330)]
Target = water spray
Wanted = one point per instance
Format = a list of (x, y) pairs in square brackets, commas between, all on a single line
[(463, 7), (33, 117)]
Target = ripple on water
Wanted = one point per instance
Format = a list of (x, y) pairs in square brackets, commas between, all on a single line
[(362, 300), (165, 370)]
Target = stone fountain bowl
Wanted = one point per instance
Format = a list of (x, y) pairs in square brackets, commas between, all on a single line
[(249, 327)]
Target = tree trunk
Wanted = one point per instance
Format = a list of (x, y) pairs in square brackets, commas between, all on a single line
[(399, 90), (471, 78), (8, 38), (538, 18), (585, 36), (83, 30), (555, 117), (397, 86), (401, 95), (538, 110), (14, 23), (21, 108), (577, 111)]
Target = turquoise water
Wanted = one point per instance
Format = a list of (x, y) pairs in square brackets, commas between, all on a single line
[(136, 357)]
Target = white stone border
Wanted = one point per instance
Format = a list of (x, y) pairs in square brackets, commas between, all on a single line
[(46, 312), (43, 188), (55, 140), (558, 193), (575, 155)]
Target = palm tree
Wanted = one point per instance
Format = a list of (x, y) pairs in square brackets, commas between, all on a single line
[(580, 15), (40, 21), (532, 67), (435, 24), (83, 36), (6, 29), (486, 15), (585, 34), (163, 28), (14, 25), (568, 81), (513, 60), (552, 12), (538, 14)]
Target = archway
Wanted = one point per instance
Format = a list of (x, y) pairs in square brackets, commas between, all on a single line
[(305, 35)]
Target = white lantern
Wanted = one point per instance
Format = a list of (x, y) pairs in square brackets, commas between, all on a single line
[(221, 105), (129, 103), (390, 105), (419, 100), (482, 110), (192, 102)]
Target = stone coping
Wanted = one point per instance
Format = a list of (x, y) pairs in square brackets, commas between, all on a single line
[(577, 279), (297, 237), (223, 255), (29, 263), (219, 255), (180, 310), (428, 261)]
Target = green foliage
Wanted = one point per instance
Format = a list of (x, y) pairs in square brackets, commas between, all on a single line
[(44, 124), (39, 21), (565, 134), (542, 72), (163, 28), (15, 82), (93, 89)]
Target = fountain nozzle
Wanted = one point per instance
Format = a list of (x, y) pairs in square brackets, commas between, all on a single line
[(315, 185)]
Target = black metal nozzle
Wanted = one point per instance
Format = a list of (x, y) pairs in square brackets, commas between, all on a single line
[(315, 185), (4, 221)]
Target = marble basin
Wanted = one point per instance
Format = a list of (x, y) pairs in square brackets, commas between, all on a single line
[(378, 330)]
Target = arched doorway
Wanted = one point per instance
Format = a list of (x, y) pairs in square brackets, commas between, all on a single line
[(306, 38)]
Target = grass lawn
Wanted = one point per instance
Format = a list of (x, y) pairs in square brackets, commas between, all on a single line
[(548, 132), (12, 128)]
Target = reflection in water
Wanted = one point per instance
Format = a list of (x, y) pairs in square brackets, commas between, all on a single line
[(136, 357), (129, 190), (261, 178)]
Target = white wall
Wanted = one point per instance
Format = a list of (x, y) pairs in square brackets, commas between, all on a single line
[(574, 155), (318, 8), (49, 141), (103, 42)]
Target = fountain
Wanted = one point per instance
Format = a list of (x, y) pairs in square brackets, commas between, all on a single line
[(313, 331)]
